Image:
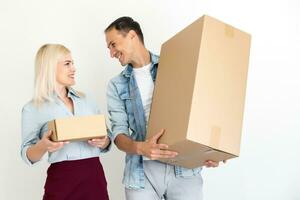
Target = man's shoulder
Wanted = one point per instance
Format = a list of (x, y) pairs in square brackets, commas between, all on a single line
[(154, 58), (118, 83), (118, 79)]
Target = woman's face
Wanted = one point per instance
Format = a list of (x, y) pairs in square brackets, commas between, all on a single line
[(65, 72)]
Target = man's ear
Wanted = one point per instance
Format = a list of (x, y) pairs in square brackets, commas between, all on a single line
[(132, 34)]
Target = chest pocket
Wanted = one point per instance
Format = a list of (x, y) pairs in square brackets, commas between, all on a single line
[(127, 102), (129, 110)]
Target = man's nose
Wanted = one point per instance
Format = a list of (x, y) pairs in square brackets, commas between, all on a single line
[(112, 52)]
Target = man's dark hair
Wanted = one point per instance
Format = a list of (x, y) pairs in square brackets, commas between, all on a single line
[(125, 24)]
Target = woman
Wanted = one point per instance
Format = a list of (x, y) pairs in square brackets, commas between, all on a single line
[(75, 171)]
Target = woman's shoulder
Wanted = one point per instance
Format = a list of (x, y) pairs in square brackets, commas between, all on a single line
[(30, 105), (36, 107)]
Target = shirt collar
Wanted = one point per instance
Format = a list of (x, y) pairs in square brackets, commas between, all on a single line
[(72, 92), (128, 70)]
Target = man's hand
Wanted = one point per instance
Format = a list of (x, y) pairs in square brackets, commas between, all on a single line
[(101, 142), (210, 163), (155, 151)]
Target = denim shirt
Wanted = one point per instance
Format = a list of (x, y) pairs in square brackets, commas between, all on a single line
[(34, 126), (127, 117)]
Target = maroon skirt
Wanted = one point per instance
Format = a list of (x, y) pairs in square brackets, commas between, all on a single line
[(76, 180)]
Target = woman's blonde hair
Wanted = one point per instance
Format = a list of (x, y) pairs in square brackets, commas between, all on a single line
[(46, 61)]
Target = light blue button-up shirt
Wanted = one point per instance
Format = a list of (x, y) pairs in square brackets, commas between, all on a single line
[(127, 117), (34, 125)]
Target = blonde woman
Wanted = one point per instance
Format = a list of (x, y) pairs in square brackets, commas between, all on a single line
[(75, 171)]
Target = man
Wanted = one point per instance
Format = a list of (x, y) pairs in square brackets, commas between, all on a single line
[(129, 97)]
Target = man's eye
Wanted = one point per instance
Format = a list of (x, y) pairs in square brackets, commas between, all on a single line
[(113, 45)]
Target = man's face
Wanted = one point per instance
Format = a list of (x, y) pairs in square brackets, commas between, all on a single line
[(119, 45)]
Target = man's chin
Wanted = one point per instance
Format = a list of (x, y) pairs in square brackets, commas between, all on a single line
[(123, 64)]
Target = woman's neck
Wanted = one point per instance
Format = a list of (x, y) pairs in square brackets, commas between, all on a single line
[(62, 91)]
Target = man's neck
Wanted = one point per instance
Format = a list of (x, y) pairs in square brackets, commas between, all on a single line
[(141, 58)]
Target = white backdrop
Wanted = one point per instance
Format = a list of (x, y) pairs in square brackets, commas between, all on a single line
[(268, 167)]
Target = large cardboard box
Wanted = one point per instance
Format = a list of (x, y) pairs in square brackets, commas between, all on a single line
[(78, 128), (199, 92)]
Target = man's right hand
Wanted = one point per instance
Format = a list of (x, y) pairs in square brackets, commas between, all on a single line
[(154, 151), (50, 146)]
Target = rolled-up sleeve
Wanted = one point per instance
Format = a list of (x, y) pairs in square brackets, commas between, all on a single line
[(30, 132), (117, 112), (106, 149)]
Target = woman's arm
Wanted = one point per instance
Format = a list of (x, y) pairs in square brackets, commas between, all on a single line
[(36, 152)]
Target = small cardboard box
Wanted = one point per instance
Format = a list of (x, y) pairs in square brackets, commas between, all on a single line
[(200, 92), (78, 128)]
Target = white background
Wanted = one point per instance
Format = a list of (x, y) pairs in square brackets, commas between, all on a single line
[(269, 165)]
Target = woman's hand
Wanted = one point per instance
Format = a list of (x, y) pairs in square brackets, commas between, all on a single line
[(36, 152), (101, 142), (49, 145)]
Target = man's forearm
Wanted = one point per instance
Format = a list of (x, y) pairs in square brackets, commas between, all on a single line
[(125, 143)]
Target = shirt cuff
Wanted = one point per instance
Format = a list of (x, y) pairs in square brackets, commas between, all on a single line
[(25, 158), (106, 149), (118, 131)]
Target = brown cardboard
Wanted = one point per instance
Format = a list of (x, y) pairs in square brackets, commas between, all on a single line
[(199, 92), (77, 128)]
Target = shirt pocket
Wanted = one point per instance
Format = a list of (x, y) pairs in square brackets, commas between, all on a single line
[(127, 102), (125, 97)]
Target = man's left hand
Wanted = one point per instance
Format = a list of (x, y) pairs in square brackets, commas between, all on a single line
[(210, 163)]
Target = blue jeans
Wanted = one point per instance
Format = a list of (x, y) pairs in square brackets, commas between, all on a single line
[(161, 183)]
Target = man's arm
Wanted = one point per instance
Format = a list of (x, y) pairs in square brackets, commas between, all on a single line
[(148, 148), (120, 130)]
